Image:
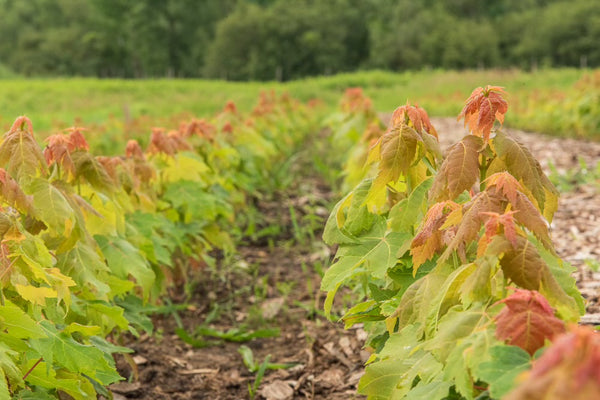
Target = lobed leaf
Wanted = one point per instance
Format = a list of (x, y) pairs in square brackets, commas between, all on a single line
[(20, 154), (413, 116), (396, 151), (459, 171), (527, 321), (483, 108), (501, 372), (521, 164)]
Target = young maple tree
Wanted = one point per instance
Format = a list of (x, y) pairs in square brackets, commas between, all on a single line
[(453, 257)]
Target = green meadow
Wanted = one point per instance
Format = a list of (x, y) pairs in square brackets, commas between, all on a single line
[(129, 107)]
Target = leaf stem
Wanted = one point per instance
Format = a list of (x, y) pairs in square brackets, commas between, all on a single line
[(33, 367)]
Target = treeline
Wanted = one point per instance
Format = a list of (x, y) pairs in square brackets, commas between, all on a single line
[(288, 39)]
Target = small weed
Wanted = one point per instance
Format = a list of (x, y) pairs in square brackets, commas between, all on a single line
[(259, 369)]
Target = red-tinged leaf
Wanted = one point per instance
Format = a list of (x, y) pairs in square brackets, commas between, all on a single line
[(134, 150), (527, 321), (354, 101), (178, 141), (483, 107), (77, 140), (160, 143), (568, 369), (434, 219), (199, 127), (13, 195), (58, 151), (413, 116), (21, 123), (492, 226), (110, 165), (510, 229), (506, 184), (523, 265), (20, 154), (459, 171), (424, 252), (230, 108), (429, 240), (526, 213), (227, 127), (473, 219), (529, 216)]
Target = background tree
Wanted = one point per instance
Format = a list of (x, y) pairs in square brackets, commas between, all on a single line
[(288, 39)]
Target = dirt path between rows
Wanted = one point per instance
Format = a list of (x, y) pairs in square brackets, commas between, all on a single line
[(282, 293)]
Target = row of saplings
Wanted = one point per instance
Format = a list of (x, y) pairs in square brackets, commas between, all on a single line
[(463, 293)]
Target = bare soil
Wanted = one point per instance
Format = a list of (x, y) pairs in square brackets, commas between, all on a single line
[(283, 293)]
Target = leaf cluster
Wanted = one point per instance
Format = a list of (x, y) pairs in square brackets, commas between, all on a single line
[(453, 258)]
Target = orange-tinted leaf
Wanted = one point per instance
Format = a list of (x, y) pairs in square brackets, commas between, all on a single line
[(227, 127), (527, 213), (230, 108), (13, 195), (161, 143), (527, 321), (89, 169), (523, 264), (77, 140), (459, 171), (429, 240), (199, 127), (134, 150), (354, 101), (473, 218), (568, 369), (529, 216), (57, 151), (506, 184), (21, 123), (110, 165), (483, 108), (413, 116), (20, 154), (521, 164), (398, 150), (492, 226)]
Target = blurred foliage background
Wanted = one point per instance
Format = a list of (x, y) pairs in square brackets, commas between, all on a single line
[(289, 39)]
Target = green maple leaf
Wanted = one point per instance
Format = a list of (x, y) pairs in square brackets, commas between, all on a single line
[(398, 364), (404, 215), (74, 385), (124, 260), (375, 254), (84, 265), (17, 323), (52, 207), (506, 363), (59, 348)]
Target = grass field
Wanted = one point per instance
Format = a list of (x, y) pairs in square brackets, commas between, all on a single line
[(54, 104)]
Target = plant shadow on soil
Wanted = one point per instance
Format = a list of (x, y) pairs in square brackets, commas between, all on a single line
[(271, 284)]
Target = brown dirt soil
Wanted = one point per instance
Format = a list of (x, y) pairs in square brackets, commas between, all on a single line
[(284, 294)]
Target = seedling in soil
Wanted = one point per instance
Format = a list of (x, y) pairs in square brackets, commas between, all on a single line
[(259, 369)]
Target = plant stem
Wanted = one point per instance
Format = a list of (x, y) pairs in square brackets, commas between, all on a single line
[(32, 368)]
